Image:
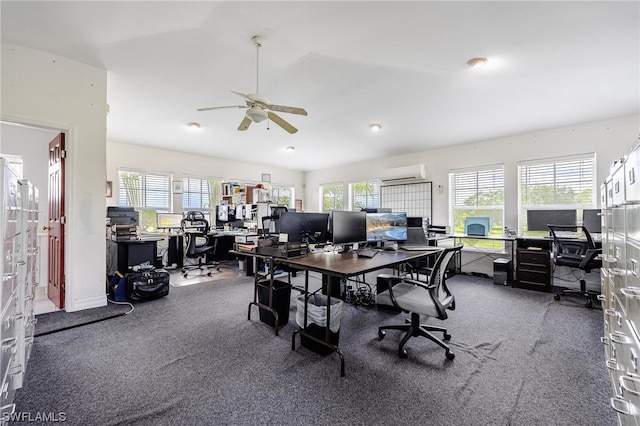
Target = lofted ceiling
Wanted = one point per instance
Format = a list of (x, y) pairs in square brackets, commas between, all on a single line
[(349, 64)]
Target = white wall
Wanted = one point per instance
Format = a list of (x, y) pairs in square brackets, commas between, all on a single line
[(181, 164), (50, 91), (609, 139)]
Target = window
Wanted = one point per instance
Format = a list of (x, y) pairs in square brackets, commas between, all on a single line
[(332, 197), (148, 192), (202, 194), (282, 195), (477, 192), (556, 184), (364, 194)]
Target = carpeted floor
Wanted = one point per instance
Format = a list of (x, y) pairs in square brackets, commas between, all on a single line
[(193, 358)]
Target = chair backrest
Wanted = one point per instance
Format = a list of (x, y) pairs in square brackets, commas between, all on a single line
[(570, 243), (197, 244), (438, 276)]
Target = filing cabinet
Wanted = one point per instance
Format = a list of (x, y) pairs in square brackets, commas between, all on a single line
[(620, 286), (19, 269)]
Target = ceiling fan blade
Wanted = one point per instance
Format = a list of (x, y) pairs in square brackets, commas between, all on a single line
[(242, 95), (289, 109), (221, 107), (245, 123), (280, 122)]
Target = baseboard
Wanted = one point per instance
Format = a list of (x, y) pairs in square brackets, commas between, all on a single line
[(93, 302)]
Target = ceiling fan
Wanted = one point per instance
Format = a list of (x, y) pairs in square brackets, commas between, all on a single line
[(258, 107)]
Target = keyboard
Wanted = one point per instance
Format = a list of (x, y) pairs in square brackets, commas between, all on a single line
[(367, 252)]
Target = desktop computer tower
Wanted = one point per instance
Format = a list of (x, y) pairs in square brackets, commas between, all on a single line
[(502, 271)]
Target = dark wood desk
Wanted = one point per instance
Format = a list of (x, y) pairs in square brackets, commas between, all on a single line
[(345, 265)]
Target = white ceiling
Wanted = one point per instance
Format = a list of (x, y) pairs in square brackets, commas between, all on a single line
[(349, 64)]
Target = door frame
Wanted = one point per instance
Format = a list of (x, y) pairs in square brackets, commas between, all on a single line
[(69, 139)]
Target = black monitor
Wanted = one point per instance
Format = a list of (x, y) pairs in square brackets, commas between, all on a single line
[(386, 227), (304, 227), (141, 252), (169, 220), (415, 222), (348, 227), (591, 219), (537, 220)]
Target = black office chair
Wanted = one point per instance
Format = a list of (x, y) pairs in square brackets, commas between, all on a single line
[(199, 243), (273, 219), (431, 298), (569, 249)]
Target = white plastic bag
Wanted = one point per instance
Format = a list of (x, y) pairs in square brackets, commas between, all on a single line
[(317, 312)]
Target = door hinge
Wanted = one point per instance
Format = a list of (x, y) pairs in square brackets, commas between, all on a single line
[(63, 220), (63, 153)]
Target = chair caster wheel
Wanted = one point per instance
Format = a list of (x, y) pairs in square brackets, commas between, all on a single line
[(588, 304), (556, 297), (446, 337), (381, 334), (208, 274), (402, 353), (184, 275), (450, 355)]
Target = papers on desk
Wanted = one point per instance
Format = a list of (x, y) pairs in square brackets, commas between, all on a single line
[(247, 248)]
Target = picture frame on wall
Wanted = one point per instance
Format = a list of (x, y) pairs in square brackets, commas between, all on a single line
[(177, 187), (266, 177), (109, 189)]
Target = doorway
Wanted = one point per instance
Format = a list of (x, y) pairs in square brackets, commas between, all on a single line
[(31, 143)]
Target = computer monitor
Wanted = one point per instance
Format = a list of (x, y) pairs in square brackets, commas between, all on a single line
[(415, 222), (304, 227), (348, 227), (537, 220), (591, 219), (141, 252), (386, 227), (169, 220)]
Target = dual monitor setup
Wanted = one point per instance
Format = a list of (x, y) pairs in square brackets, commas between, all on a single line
[(345, 228), (538, 220), (173, 221)]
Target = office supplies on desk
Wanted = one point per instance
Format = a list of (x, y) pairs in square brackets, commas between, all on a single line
[(368, 252)]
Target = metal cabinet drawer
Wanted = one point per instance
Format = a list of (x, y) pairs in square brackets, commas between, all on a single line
[(632, 176)]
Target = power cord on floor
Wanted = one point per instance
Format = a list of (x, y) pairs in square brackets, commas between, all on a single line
[(44, 333)]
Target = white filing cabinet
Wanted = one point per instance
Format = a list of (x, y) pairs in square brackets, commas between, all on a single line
[(19, 269), (620, 279)]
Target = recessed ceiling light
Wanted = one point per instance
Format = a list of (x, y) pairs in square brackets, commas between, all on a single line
[(291, 148), (477, 62), (193, 125), (375, 127)]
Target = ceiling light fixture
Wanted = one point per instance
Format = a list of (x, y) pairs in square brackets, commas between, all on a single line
[(291, 148), (193, 125), (477, 62), (375, 127), (256, 114)]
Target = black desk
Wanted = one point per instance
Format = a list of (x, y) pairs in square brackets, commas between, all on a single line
[(345, 265)]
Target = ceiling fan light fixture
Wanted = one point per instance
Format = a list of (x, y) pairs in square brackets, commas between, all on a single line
[(256, 114), (477, 62)]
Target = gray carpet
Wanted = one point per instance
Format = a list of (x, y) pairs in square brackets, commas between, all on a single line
[(193, 358)]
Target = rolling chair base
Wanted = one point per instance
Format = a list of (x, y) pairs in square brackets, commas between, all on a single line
[(414, 328), (588, 294), (202, 267)]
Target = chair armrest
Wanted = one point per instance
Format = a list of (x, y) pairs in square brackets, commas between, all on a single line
[(589, 256)]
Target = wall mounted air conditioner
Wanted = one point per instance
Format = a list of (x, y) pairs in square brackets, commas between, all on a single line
[(403, 174)]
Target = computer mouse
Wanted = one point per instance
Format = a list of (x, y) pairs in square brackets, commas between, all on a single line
[(390, 248)]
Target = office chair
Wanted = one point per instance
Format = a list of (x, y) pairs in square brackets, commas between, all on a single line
[(431, 298), (199, 243), (274, 219), (574, 252)]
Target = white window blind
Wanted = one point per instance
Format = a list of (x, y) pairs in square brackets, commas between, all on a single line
[(144, 189), (477, 192), (556, 183), (282, 195), (201, 193), (364, 194)]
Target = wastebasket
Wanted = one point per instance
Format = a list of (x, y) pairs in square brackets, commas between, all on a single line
[(317, 321), (280, 302), (502, 271)]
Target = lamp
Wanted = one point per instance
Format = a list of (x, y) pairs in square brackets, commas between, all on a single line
[(477, 62), (375, 127), (193, 125), (256, 114)]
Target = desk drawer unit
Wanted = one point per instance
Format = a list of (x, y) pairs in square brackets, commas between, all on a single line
[(534, 269)]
